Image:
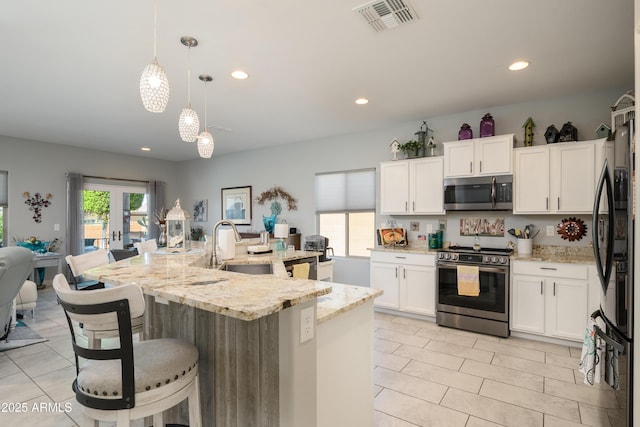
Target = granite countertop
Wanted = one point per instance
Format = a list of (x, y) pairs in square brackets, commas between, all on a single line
[(184, 278), (561, 254)]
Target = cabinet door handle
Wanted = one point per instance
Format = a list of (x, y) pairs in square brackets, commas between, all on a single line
[(404, 273), (396, 272), (554, 289), (558, 203), (548, 268), (470, 167), (406, 206), (547, 203), (401, 257), (541, 286), (414, 206), (480, 166)]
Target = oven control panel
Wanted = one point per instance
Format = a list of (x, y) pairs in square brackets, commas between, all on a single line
[(473, 258)]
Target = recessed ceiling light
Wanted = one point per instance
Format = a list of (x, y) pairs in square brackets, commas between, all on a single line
[(239, 74), (145, 149), (518, 65), (362, 101)]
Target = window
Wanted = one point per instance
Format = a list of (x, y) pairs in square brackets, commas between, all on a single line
[(4, 202), (345, 205)]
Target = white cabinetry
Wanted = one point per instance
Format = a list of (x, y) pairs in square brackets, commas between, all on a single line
[(477, 157), (407, 280), (558, 178), (550, 299), (412, 187)]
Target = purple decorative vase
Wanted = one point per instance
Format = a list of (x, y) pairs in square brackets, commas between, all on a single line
[(465, 132), (487, 126)]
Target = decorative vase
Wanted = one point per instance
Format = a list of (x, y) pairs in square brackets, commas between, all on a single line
[(465, 132), (162, 238), (269, 222), (487, 126)]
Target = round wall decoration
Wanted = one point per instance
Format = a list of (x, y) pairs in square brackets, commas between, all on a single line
[(572, 229)]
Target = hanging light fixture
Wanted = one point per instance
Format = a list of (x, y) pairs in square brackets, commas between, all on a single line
[(189, 123), (205, 139), (154, 84)]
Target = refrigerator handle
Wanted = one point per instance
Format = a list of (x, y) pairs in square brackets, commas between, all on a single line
[(604, 266)]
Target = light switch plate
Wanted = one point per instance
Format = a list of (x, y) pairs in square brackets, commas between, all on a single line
[(56, 227), (550, 231), (307, 323)]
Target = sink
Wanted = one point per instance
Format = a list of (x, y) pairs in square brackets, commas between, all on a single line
[(249, 268)]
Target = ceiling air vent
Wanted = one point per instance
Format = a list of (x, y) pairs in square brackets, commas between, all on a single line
[(387, 14)]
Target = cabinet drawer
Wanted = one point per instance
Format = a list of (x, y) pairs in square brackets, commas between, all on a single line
[(548, 269), (426, 260)]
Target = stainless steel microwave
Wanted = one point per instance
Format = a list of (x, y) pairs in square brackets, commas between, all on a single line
[(481, 193)]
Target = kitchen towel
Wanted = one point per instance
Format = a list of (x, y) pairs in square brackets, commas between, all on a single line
[(227, 243), (590, 364), (469, 280), (301, 271)]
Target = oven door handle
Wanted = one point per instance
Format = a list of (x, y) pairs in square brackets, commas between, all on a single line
[(453, 266)]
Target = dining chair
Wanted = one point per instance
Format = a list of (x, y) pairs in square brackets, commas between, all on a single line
[(136, 379), (146, 246), (15, 265), (97, 329), (78, 264)]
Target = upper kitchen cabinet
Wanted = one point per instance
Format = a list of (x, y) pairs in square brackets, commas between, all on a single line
[(412, 187), (558, 178), (477, 157)]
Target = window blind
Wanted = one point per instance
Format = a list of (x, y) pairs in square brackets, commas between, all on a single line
[(346, 191), (4, 189)]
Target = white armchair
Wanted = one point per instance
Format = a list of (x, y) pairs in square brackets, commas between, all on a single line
[(15, 265)]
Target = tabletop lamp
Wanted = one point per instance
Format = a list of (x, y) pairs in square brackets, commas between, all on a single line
[(281, 232)]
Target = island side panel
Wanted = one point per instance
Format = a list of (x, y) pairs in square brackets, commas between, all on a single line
[(238, 363)]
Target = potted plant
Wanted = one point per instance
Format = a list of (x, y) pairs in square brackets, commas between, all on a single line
[(413, 149)]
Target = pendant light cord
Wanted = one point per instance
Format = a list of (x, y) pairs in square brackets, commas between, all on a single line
[(205, 106), (155, 30), (189, 77)]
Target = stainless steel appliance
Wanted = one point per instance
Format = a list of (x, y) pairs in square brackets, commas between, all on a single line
[(489, 311), (318, 243), (480, 193), (613, 244)]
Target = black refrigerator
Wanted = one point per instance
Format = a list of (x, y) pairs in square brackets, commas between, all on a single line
[(613, 239)]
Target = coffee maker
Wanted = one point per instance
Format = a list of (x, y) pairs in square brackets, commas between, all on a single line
[(318, 243)]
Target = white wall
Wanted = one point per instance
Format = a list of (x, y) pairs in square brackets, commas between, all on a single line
[(294, 166), (39, 167)]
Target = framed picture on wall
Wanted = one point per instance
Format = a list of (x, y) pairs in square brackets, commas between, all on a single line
[(236, 205)]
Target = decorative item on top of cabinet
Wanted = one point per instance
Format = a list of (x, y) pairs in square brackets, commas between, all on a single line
[(395, 147), (487, 126), (431, 147), (528, 132), (623, 110), (412, 149), (552, 134), (423, 133), (465, 132), (603, 131), (568, 133), (572, 229)]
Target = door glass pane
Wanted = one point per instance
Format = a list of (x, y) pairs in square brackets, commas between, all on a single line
[(134, 218), (97, 207)]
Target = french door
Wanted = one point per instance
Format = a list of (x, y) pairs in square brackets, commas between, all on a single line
[(115, 216)]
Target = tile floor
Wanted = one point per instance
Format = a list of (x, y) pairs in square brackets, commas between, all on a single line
[(424, 375)]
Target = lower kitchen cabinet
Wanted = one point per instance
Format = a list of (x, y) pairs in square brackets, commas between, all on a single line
[(550, 299), (407, 280)]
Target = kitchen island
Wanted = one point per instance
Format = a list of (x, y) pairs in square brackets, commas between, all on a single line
[(254, 369)]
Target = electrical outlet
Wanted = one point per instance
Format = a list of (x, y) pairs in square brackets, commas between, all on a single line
[(550, 231), (429, 228), (307, 322)]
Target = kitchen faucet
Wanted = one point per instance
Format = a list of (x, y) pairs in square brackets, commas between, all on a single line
[(214, 258)]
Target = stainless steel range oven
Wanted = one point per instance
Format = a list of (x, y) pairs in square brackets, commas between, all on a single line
[(488, 312)]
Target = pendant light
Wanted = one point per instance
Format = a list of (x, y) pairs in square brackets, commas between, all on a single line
[(154, 84), (205, 139), (189, 123)]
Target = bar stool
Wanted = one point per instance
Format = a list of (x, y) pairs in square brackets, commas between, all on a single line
[(133, 381), (146, 246), (78, 264)]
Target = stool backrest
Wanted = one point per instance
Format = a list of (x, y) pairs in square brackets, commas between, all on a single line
[(81, 263), (79, 306), (120, 254), (146, 246)]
